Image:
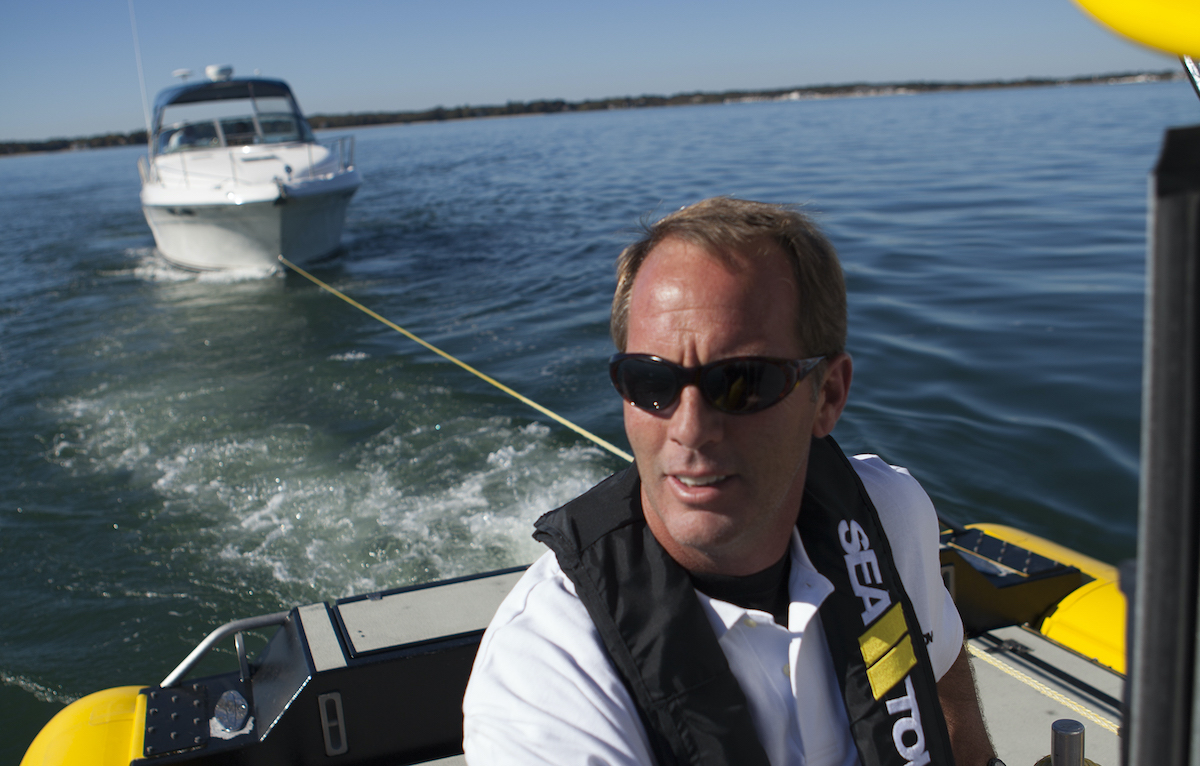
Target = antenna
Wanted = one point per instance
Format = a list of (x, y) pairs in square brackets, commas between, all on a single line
[(137, 53)]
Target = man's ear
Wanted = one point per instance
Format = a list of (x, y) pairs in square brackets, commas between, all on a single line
[(831, 399)]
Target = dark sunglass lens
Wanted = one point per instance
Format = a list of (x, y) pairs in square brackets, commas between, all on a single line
[(648, 384), (744, 386)]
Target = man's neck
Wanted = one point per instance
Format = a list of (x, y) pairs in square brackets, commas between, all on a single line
[(766, 591)]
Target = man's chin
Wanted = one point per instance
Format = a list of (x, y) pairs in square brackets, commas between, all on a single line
[(709, 532)]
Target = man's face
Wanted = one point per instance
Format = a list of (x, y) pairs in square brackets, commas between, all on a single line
[(721, 491)]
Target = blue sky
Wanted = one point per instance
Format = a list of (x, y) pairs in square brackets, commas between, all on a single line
[(69, 70)]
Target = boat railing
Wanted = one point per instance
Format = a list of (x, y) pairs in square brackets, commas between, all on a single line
[(148, 171), (235, 629), (343, 147)]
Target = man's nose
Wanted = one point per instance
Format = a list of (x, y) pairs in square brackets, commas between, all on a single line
[(695, 422)]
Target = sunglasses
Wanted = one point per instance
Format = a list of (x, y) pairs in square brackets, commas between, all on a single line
[(740, 386)]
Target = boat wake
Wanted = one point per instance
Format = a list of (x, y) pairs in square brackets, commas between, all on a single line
[(150, 266), (40, 692), (284, 514)]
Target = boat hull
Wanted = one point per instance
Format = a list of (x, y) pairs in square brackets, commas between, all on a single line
[(299, 224)]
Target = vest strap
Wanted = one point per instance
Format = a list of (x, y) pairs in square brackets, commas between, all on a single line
[(653, 626), (875, 642)]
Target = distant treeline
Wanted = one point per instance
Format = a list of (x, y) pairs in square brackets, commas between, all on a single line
[(512, 108), (440, 113), (66, 144)]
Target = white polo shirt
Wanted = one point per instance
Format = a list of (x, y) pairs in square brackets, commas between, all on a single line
[(543, 690)]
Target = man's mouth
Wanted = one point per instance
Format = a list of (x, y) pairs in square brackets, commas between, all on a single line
[(701, 481)]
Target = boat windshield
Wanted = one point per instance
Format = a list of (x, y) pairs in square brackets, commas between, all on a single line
[(230, 122)]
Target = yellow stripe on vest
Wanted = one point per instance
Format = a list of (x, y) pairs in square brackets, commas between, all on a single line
[(887, 649), (883, 635), (891, 670)]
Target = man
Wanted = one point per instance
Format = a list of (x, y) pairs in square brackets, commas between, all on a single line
[(743, 594)]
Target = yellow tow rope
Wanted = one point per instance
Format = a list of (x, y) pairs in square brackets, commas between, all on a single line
[(577, 429)]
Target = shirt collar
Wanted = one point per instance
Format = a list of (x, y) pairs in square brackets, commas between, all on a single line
[(806, 586)]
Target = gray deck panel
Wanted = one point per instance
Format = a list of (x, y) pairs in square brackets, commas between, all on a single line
[(421, 615), (322, 638), (1019, 712)]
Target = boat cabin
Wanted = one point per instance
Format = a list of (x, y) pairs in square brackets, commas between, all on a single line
[(241, 112)]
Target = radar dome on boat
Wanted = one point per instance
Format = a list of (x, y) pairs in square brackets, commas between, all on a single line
[(182, 74), (218, 72)]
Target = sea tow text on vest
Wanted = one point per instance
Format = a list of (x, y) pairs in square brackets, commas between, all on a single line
[(863, 569), (915, 754)]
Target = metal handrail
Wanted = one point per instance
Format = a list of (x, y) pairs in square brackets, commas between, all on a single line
[(1192, 69), (344, 146), (229, 628)]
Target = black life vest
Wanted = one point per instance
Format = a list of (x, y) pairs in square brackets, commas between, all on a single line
[(658, 636)]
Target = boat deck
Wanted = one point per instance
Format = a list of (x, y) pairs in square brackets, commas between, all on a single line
[(1022, 695)]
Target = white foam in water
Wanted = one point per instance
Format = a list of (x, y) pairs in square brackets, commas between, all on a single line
[(151, 267), (263, 511), (350, 356), (42, 693), (369, 532), (227, 276)]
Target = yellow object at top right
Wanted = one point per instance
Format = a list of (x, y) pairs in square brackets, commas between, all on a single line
[(1172, 26)]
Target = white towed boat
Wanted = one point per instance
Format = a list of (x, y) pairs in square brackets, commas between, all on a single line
[(235, 178)]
